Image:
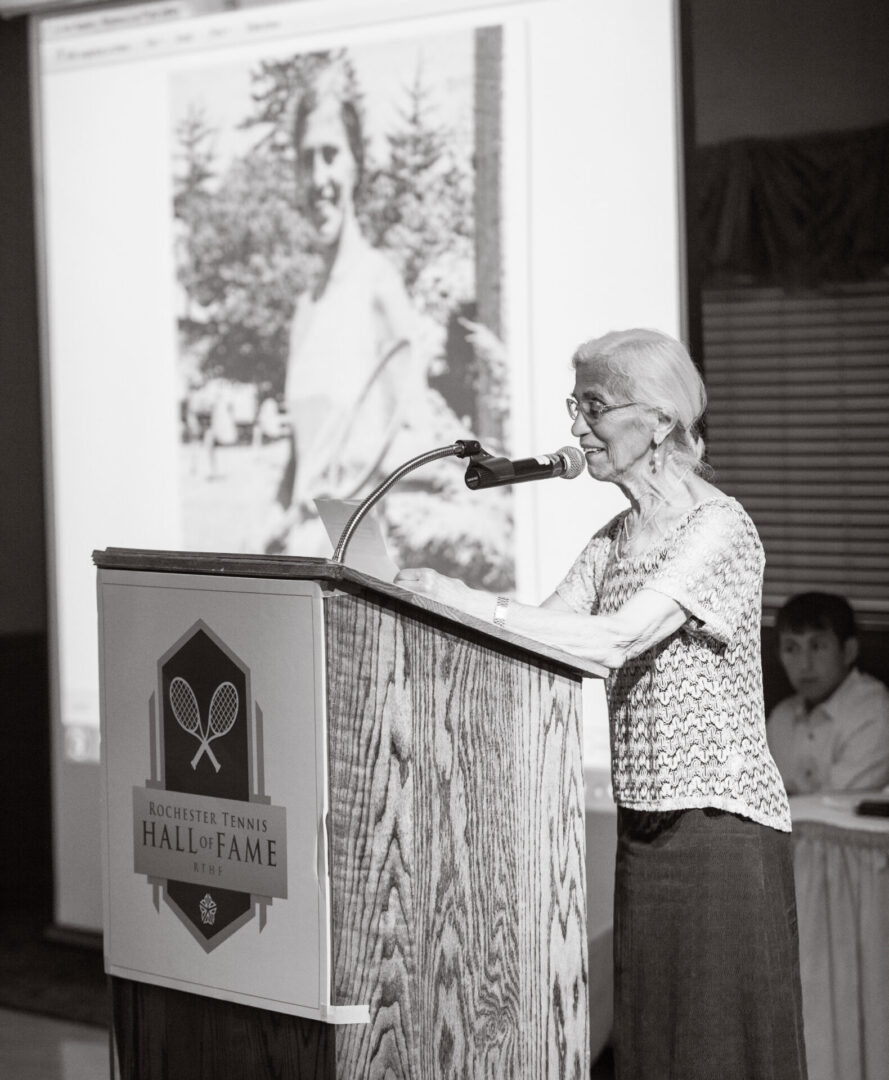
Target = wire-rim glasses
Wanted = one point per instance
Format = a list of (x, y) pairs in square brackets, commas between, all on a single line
[(593, 410)]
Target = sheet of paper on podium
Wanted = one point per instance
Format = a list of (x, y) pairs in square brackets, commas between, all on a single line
[(367, 551)]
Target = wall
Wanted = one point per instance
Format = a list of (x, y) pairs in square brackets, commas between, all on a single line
[(763, 68), (22, 559), (766, 69), (25, 818)]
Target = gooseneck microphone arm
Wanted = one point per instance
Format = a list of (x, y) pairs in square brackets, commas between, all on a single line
[(461, 449)]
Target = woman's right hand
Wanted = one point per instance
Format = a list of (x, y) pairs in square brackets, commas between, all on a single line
[(446, 590)]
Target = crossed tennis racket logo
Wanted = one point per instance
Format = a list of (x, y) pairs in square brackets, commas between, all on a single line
[(220, 719)]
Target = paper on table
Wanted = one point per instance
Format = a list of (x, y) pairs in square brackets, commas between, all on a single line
[(367, 550)]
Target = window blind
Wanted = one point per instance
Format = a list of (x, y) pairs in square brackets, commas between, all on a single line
[(798, 432)]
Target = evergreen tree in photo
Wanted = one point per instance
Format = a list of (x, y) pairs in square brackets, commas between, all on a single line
[(195, 159), (419, 207), (247, 254)]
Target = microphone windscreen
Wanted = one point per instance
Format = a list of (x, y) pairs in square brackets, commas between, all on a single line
[(574, 461)]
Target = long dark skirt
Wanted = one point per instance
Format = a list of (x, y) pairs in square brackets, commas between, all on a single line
[(706, 952)]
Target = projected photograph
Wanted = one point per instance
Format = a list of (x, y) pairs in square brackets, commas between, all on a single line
[(338, 249)]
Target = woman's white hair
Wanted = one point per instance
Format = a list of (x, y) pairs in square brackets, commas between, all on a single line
[(655, 369)]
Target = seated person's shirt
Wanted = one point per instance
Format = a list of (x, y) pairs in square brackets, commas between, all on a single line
[(841, 745)]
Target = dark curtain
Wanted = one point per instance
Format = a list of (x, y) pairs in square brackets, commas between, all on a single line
[(797, 211)]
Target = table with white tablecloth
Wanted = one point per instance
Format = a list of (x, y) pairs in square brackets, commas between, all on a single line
[(841, 865)]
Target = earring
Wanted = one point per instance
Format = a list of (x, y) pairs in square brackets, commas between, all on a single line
[(653, 462)]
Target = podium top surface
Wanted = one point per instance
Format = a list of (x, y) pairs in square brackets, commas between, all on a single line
[(221, 564)]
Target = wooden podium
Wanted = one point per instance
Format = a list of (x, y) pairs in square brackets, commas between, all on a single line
[(391, 791)]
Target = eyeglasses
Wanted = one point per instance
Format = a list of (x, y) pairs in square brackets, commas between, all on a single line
[(593, 410)]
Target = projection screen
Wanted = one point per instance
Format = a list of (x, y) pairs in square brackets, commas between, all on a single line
[(194, 335)]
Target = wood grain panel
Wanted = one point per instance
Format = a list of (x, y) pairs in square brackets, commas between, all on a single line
[(457, 852)]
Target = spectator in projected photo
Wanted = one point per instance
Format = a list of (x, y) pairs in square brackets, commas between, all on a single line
[(832, 734), (222, 429), (351, 338)]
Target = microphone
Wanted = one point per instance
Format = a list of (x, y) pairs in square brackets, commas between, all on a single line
[(487, 471)]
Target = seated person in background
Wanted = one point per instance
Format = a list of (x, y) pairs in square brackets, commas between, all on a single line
[(833, 733)]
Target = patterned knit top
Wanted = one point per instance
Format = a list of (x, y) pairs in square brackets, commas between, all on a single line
[(686, 716)]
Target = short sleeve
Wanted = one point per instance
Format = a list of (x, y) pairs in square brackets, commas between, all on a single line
[(580, 586), (713, 568)]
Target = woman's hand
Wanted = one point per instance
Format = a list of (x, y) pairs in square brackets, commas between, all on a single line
[(446, 590)]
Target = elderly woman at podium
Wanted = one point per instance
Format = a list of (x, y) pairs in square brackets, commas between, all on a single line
[(667, 595)]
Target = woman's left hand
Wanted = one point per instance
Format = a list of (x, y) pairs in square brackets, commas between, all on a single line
[(428, 582)]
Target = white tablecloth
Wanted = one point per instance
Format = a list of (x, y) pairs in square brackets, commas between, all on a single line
[(841, 864)]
